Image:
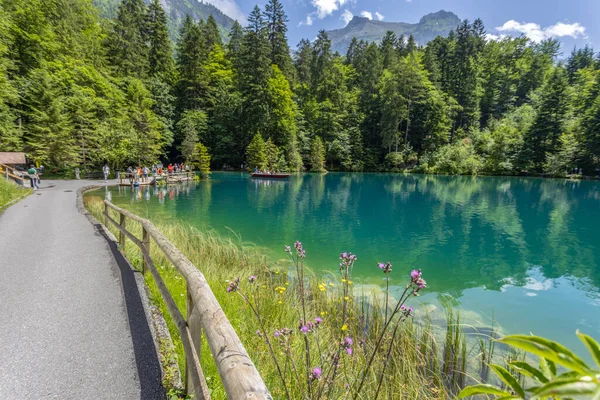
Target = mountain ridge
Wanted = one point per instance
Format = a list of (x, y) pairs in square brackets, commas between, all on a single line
[(176, 11), (430, 26)]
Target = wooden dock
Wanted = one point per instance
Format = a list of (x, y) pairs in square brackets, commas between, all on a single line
[(133, 179)]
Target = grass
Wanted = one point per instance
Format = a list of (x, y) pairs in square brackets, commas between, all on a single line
[(10, 192), (415, 361)]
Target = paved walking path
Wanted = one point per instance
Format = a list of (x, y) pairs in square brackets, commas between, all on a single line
[(72, 324)]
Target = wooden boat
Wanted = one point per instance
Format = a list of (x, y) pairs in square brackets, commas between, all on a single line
[(270, 176)]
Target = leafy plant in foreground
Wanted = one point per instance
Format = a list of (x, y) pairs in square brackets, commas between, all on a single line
[(548, 382)]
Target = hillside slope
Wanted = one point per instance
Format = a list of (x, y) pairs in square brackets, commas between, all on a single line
[(176, 11), (429, 27)]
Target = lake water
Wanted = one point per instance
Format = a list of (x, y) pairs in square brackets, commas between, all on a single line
[(523, 251)]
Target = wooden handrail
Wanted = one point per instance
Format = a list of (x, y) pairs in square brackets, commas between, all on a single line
[(5, 170), (240, 377)]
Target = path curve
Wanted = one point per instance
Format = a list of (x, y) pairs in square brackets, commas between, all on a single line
[(72, 323)]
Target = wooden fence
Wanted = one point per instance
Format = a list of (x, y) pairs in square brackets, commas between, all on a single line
[(11, 173), (238, 374)]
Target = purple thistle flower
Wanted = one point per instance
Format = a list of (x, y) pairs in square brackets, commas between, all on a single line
[(316, 374), (258, 333), (348, 341), (252, 279), (415, 274), (288, 249), (318, 320), (349, 351), (233, 286), (304, 329), (343, 255), (277, 333)]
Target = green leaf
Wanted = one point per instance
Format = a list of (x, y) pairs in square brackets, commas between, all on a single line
[(567, 387), (508, 379), (552, 351), (592, 346), (596, 394), (482, 389), (545, 368), (528, 370), (509, 398)]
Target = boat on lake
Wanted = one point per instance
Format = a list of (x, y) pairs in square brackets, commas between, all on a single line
[(270, 176)]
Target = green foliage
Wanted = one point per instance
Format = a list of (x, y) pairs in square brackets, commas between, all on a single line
[(193, 126), (256, 154), (544, 382), (201, 159), (317, 155), (459, 158)]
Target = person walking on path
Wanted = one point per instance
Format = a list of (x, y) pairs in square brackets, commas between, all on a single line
[(33, 177), (106, 171)]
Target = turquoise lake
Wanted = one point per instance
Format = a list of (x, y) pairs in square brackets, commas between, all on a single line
[(522, 251)]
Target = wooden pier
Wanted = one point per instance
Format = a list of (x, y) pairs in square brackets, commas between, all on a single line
[(133, 179)]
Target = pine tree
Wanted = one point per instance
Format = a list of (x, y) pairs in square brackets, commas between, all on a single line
[(201, 159), (544, 136), (160, 57), (211, 35), (387, 49), (127, 42), (10, 138), (272, 152), (236, 36), (303, 61), (256, 154), (276, 25), (191, 87), (193, 125), (254, 73), (317, 155), (48, 134)]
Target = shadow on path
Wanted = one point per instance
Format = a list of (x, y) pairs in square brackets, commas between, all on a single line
[(146, 358)]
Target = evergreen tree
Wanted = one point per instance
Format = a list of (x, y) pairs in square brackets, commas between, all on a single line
[(544, 136), (211, 35), (256, 154), (10, 137), (127, 42), (276, 25), (317, 155), (272, 152), (236, 36), (201, 159), (48, 135), (193, 126), (191, 87), (254, 73), (160, 55), (303, 61)]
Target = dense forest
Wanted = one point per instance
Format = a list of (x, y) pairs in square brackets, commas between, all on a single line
[(77, 90)]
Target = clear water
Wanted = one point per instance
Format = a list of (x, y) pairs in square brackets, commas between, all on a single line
[(523, 251)]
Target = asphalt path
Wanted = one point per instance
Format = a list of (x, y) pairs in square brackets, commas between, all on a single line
[(72, 323)]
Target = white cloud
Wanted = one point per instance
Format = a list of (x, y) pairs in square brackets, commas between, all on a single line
[(327, 7), (308, 21), (229, 8), (536, 33), (379, 16), (491, 36), (366, 14), (347, 16)]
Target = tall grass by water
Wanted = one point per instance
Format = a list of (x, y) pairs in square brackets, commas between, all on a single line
[(315, 336)]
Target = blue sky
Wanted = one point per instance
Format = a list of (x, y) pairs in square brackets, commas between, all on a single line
[(574, 22)]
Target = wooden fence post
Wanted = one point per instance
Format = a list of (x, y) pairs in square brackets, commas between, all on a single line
[(122, 223), (146, 244), (193, 322), (106, 215)]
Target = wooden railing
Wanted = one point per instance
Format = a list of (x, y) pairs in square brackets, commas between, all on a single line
[(11, 173), (238, 374)]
